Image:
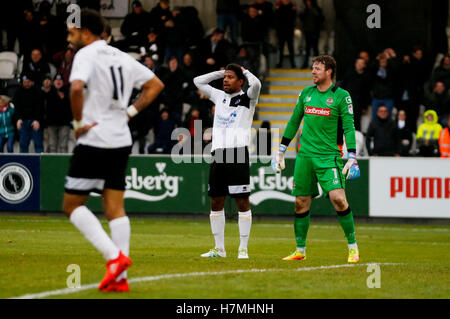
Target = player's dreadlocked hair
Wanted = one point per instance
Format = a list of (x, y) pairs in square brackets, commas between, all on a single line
[(328, 61)]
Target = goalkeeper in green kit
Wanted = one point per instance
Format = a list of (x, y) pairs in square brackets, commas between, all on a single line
[(327, 113)]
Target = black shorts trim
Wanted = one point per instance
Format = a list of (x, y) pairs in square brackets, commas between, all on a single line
[(229, 173), (93, 169)]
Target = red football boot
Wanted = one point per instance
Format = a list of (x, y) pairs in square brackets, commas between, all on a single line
[(117, 286), (114, 268)]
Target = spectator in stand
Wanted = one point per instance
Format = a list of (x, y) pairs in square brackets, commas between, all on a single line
[(46, 84), (285, 18), (438, 100), (411, 81), (381, 133), (189, 123), (227, 13), (442, 72), (356, 82), (265, 12), (135, 26), (403, 135), (312, 20), (163, 135), (29, 109), (37, 68), (444, 140), (252, 36), (382, 87), (6, 124), (28, 33), (153, 47), (175, 29), (428, 135), (175, 83), (150, 63), (194, 27), (52, 31), (213, 52), (247, 61), (370, 64), (63, 61), (159, 15), (58, 116), (190, 72), (107, 35)]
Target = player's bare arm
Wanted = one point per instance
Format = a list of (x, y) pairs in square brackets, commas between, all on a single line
[(76, 101), (150, 91)]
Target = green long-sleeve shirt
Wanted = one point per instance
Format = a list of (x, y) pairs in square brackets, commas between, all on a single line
[(325, 115)]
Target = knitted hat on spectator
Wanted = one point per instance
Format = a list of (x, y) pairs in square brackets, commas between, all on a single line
[(58, 77), (136, 4)]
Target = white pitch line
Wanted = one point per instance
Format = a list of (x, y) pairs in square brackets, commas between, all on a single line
[(67, 291)]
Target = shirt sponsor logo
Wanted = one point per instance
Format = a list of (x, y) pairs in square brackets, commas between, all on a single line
[(317, 111)]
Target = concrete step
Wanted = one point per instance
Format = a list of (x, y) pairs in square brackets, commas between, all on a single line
[(300, 73), (274, 124), (274, 116), (285, 90), (289, 81), (273, 98), (275, 107)]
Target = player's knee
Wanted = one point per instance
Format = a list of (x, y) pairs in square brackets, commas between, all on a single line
[(217, 204), (302, 205), (339, 202), (68, 208)]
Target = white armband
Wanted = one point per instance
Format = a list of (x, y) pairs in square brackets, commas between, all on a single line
[(132, 111), (77, 124)]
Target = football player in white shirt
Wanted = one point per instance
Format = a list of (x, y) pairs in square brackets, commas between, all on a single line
[(230, 175), (102, 79)]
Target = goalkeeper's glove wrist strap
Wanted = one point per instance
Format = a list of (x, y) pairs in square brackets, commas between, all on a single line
[(282, 148)]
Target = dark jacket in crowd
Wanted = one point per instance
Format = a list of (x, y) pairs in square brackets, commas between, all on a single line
[(265, 11), (173, 93), (220, 55), (383, 88), (158, 18), (57, 109), (251, 29), (358, 85), (312, 19), (29, 104), (139, 23), (36, 71), (227, 6), (285, 16), (383, 134), (438, 102), (194, 27), (402, 134)]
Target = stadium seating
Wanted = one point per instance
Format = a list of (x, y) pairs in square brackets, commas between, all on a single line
[(8, 65)]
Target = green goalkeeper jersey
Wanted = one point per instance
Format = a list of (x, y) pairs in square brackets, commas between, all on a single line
[(326, 115)]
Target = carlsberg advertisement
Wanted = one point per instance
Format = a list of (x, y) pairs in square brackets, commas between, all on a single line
[(156, 184)]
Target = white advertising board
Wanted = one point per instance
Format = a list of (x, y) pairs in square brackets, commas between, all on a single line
[(409, 187)]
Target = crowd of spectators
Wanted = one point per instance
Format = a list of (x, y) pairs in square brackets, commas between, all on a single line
[(173, 43), (396, 87)]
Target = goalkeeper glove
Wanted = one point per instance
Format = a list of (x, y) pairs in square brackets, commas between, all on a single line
[(352, 167), (278, 163)]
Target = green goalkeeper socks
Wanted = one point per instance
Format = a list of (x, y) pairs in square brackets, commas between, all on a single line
[(301, 225), (348, 225)]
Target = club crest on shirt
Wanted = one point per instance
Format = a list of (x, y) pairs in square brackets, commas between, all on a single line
[(308, 99), (330, 101), (224, 101)]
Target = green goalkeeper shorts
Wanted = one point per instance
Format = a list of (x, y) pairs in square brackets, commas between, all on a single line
[(327, 171)]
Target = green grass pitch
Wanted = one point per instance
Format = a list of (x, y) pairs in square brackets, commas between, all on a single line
[(414, 260)]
